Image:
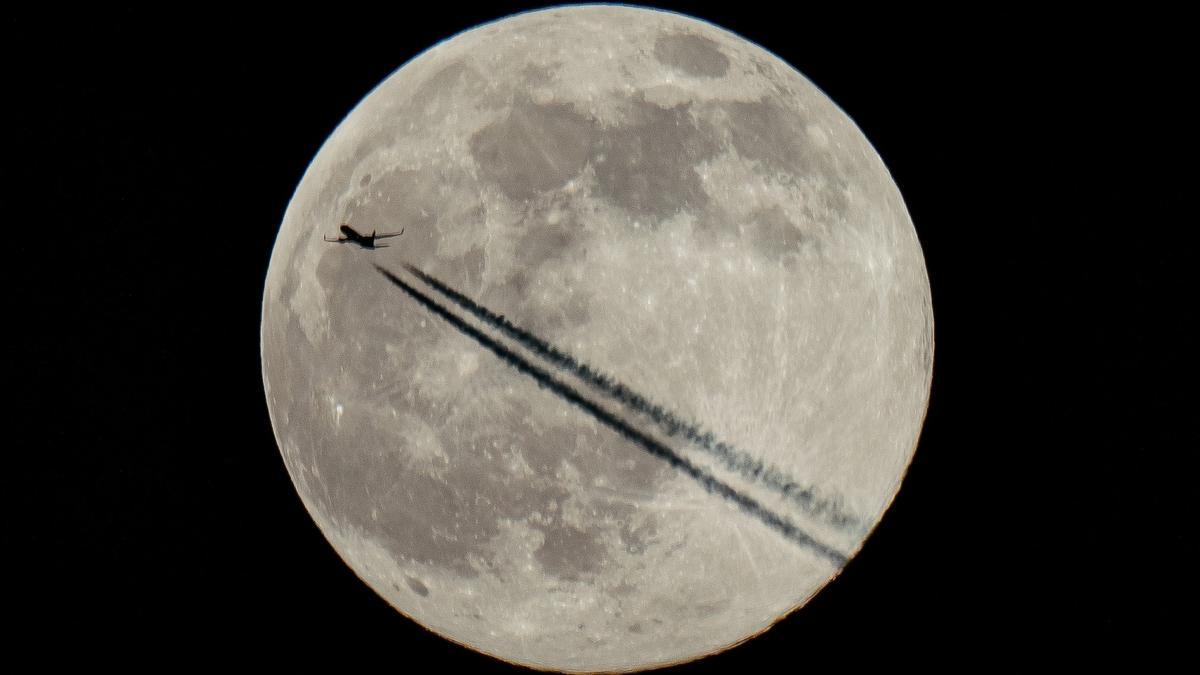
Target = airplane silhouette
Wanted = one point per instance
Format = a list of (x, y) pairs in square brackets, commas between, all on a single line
[(364, 240)]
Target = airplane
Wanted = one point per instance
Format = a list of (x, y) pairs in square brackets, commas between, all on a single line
[(364, 240)]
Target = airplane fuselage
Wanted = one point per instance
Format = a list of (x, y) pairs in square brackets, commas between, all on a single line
[(363, 240)]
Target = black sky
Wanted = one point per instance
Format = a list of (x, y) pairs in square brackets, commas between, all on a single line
[(1043, 157)]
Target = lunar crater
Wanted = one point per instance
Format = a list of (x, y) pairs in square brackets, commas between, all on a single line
[(692, 54), (417, 587)]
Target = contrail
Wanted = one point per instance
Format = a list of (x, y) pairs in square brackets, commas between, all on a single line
[(672, 424), (545, 380)]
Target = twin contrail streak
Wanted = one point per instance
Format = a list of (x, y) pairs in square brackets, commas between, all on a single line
[(668, 421), (547, 381)]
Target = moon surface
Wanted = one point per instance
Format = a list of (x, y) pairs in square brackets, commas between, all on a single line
[(722, 296)]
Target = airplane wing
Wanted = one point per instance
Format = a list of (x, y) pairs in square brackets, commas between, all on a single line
[(336, 241), (393, 234)]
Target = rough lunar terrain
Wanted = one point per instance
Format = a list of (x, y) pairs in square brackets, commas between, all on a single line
[(671, 205)]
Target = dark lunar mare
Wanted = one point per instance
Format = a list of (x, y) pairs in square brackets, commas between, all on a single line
[(828, 509), (545, 380)]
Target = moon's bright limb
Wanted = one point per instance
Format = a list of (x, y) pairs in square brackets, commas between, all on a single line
[(671, 221)]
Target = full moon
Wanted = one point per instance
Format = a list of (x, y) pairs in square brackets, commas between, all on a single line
[(647, 364)]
